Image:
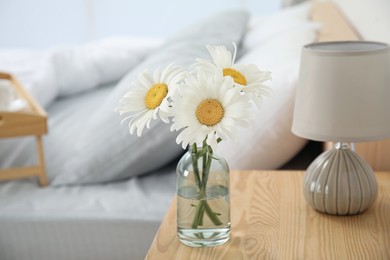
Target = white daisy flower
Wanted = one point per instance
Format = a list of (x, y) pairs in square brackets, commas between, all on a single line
[(207, 108), (248, 77), (150, 97)]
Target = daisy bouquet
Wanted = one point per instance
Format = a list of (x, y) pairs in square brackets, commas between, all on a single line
[(205, 105)]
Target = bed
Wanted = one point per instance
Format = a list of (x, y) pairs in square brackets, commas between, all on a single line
[(105, 198)]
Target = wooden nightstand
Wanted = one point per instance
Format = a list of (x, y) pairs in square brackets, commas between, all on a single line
[(31, 121), (271, 220)]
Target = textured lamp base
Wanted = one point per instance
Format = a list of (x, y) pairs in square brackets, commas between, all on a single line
[(340, 182)]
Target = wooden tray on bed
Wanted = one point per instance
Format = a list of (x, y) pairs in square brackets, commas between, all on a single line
[(30, 121), (336, 27)]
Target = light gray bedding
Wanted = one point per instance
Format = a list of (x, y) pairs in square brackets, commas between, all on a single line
[(117, 219), (87, 239), (140, 198)]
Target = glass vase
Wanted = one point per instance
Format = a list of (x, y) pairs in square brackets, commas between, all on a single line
[(203, 203)]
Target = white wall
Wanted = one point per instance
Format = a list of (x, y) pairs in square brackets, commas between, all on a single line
[(44, 23)]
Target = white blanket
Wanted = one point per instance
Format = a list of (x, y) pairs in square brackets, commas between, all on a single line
[(68, 70)]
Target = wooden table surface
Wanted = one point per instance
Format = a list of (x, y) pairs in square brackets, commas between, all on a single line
[(271, 220)]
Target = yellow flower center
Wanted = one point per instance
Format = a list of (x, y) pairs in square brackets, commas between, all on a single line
[(209, 112), (155, 95), (236, 76)]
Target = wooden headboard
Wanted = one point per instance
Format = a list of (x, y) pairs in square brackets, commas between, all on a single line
[(335, 27)]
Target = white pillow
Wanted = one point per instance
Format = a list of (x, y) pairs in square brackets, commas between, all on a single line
[(90, 65), (371, 18), (264, 28), (67, 70), (269, 143)]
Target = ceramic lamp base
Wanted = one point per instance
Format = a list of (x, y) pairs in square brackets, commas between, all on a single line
[(340, 182)]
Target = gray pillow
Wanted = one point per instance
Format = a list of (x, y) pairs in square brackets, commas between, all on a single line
[(105, 151)]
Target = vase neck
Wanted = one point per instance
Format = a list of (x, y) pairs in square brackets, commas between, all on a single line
[(196, 149)]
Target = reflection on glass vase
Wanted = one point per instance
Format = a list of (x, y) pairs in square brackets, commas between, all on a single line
[(203, 204)]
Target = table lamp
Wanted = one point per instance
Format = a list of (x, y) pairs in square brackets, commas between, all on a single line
[(343, 96)]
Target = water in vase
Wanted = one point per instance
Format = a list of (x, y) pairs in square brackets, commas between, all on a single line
[(203, 220)]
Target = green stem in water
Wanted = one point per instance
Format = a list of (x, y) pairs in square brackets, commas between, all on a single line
[(201, 214), (212, 215), (198, 216), (203, 205)]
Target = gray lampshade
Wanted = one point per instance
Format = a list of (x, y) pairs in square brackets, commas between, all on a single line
[(344, 92)]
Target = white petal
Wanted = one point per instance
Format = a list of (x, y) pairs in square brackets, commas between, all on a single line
[(221, 56)]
